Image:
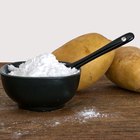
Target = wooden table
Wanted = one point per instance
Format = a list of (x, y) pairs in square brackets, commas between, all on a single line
[(103, 111)]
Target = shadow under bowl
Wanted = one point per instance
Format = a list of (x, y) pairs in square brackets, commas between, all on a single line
[(39, 93)]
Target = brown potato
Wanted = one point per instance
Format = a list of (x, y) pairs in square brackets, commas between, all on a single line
[(82, 46), (125, 69)]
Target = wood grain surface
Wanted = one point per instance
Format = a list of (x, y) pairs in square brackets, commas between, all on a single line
[(102, 112)]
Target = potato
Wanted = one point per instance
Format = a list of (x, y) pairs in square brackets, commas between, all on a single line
[(125, 69), (82, 46)]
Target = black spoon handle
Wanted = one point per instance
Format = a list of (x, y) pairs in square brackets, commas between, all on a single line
[(109, 47)]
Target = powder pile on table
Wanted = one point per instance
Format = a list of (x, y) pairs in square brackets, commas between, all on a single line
[(45, 65)]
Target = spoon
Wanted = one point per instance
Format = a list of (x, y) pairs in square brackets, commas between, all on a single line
[(107, 48)]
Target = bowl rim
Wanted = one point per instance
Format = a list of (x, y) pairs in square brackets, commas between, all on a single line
[(31, 77)]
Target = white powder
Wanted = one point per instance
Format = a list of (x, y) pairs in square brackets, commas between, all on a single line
[(19, 134), (45, 65), (89, 113)]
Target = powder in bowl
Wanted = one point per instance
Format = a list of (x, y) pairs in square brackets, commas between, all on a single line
[(45, 65)]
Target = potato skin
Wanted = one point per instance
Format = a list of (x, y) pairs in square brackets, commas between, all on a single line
[(82, 46), (125, 69)]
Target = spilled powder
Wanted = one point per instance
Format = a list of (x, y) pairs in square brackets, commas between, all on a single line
[(78, 117), (18, 134), (88, 114), (75, 117)]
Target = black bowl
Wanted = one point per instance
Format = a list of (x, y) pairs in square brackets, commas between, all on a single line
[(39, 93)]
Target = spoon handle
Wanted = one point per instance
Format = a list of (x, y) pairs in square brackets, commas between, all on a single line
[(109, 47)]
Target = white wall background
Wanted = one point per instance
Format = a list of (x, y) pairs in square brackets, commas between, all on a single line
[(32, 27)]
